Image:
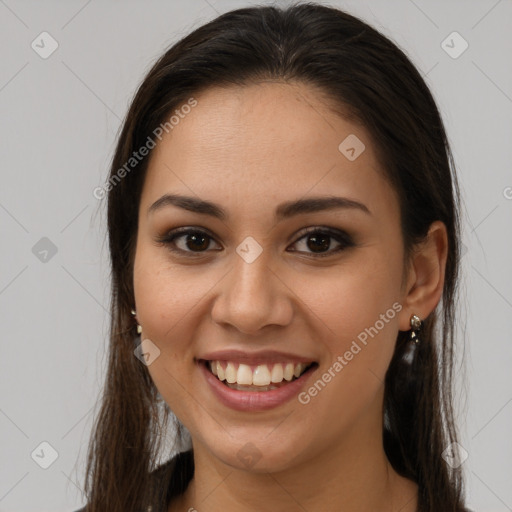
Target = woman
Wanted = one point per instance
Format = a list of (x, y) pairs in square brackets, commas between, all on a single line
[(284, 239)]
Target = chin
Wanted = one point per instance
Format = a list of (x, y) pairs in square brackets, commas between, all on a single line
[(246, 453)]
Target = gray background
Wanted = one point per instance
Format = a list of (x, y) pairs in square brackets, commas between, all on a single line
[(60, 116)]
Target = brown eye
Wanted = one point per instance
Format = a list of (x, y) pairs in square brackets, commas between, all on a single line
[(196, 241), (186, 240), (319, 241)]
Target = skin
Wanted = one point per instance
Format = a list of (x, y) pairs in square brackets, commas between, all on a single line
[(249, 149)]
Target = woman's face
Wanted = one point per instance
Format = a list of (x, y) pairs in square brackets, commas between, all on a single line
[(254, 281)]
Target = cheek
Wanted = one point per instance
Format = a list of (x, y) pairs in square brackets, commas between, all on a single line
[(165, 298), (346, 309), (358, 311), (340, 303), (350, 300)]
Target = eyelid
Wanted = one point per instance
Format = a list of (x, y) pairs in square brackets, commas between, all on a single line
[(170, 236), (339, 235)]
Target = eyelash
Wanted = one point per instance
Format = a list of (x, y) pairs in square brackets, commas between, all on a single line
[(340, 236)]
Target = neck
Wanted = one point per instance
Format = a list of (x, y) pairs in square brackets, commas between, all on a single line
[(353, 476)]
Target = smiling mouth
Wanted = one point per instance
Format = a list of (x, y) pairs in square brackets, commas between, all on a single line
[(262, 377)]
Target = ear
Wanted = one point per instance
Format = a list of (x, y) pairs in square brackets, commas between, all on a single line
[(425, 278)]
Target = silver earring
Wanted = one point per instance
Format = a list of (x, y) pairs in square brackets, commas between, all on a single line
[(416, 326), (414, 340), (139, 327)]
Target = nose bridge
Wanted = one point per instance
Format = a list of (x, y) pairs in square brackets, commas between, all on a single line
[(252, 295)]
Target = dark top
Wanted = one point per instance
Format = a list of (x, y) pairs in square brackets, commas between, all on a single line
[(171, 487), (175, 486)]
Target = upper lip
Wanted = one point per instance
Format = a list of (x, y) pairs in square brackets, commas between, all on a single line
[(266, 356)]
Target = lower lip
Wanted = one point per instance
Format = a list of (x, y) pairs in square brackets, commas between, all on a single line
[(255, 400)]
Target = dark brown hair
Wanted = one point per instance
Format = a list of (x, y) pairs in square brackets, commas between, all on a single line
[(369, 79)]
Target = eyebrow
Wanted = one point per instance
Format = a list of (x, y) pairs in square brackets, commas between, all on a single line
[(283, 211)]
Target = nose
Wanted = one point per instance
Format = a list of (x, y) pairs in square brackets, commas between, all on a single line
[(253, 296)]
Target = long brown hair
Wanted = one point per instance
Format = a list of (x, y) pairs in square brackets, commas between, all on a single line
[(364, 76)]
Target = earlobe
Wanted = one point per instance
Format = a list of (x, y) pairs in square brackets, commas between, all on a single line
[(426, 281), (139, 327)]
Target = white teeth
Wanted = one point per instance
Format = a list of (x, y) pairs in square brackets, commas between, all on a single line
[(288, 372), (244, 375), (277, 373), (261, 376), (220, 371), (230, 373)]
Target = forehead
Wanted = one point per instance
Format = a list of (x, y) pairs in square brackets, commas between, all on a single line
[(269, 140)]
